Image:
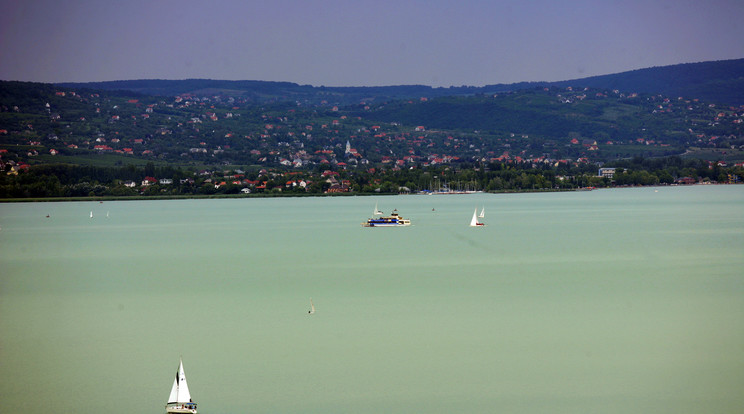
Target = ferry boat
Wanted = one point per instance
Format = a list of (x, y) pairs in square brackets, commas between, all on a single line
[(393, 220)]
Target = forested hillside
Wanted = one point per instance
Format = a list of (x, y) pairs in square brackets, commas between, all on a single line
[(720, 82), (42, 123), (716, 82), (61, 141)]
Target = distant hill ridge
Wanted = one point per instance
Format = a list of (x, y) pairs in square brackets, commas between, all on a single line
[(715, 81)]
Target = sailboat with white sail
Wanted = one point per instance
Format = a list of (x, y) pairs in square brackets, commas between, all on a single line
[(482, 213), (377, 211), (179, 401), (474, 221)]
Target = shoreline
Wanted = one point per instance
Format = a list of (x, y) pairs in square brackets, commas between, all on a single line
[(279, 195)]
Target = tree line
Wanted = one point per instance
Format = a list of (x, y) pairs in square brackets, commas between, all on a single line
[(59, 180)]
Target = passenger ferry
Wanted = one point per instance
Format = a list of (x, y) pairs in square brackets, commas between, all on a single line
[(393, 220)]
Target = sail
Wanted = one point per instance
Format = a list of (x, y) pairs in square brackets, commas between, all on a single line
[(174, 391), (474, 221), (377, 211), (482, 213), (180, 391)]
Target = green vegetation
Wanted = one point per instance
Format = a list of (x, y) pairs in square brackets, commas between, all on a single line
[(719, 82), (220, 139), (69, 182)]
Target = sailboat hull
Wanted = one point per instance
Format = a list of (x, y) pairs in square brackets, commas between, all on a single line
[(180, 408)]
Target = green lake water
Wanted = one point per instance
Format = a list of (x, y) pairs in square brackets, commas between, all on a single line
[(609, 301)]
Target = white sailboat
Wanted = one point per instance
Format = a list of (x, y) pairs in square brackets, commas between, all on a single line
[(483, 212), (377, 211), (474, 221), (179, 400), (91, 214), (312, 307)]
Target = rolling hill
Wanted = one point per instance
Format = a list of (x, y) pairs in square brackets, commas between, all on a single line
[(720, 82)]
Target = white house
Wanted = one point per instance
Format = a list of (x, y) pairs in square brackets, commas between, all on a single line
[(606, 172)]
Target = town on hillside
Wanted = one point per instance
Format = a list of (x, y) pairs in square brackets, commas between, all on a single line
[(104, 143)]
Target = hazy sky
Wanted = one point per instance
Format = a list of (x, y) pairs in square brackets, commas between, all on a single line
[(360, 43)]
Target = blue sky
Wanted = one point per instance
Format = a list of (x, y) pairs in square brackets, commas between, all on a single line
[(360, 43)]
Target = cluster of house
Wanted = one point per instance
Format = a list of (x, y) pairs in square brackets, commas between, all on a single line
[(416, 147), (607, 172), (237, 178), (11, 166)]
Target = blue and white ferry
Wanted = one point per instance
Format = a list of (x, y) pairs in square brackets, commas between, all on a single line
[(393, 220)]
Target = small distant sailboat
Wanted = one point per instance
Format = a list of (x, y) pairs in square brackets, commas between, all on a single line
[(107, 214), (179, 401), (312, 307), (483, 212), (377, 211), (474, 221), (91, 214)]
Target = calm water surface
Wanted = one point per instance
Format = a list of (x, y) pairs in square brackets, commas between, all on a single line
[(611, 301)]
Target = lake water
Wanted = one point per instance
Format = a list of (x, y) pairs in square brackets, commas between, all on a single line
[(609, 301)]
